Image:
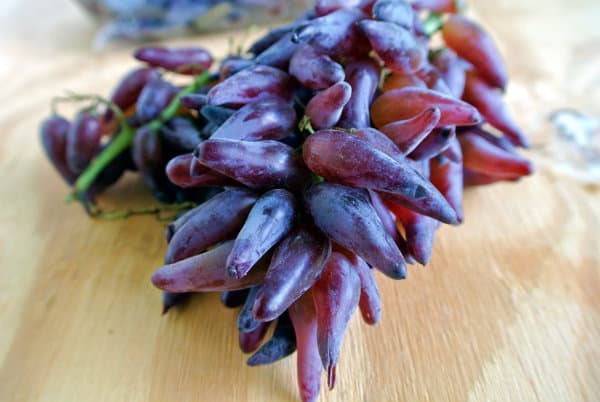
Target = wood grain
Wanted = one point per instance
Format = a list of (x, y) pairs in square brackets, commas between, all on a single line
[(509, 308)]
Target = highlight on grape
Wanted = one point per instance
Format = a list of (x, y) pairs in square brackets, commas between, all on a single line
[(336, 146)]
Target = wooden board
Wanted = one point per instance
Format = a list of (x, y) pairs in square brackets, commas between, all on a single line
[(508, 310)]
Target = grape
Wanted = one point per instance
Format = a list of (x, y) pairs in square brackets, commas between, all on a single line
[(324, 7), (183, 60), (394, 45), (398, 12), (258, 121), (343, 158), (181, 133), (53, 135), (488, 101), (296, 264), (472, 43), (233, 65), (181, 219), (363, 77), (408, 134), (128, 90), (269, 220), (452, 70), (369, 302), (245, 321), (171, 300), (335, 33), (215, 114), (258, 165), (378, 140), (347, 217), (447, 177), (397, 81), (155, 96), (270, 38), (253, 84), (215, 220), (204, 272), (179, 173), (386, 218), (82, 141), (278, 54), (194, 101), (400, 104), (250, 341), (419, 229), (335, 294), (472, 178), (434, 144), (482, 156), (500, 141), (304, 320), (325, 108), (314, 69), (281, 344), (234, 298)]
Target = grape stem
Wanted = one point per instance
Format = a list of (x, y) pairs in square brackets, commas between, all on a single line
[(97, 213), (432, 24), (124, 139)]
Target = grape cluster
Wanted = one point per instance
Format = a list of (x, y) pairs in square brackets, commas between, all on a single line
[(340, 143)]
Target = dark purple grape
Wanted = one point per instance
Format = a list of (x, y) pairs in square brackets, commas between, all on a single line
[(83, 141), (325, 108), (281, 344), (155, 96), (363, 77), (314, 69), (182, 60), (53, 135), (234, 298)]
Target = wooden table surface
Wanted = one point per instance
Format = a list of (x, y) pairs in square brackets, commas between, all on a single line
[(508, 309)]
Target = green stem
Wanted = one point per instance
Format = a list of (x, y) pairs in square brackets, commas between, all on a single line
[(432, 23), (125, 138)]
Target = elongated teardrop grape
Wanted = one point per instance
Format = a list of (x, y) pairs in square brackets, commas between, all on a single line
[(346, 159), (178, 172), (401, 104), (297, 262), (250, 341), (216, 220), (336, 294), (245, 321), (170, 300), (453, 152), (281, 344), (408, 134), (83, 141), (369, 303), (253, 84), (363, 77), (304, 319), (314, 69), (216, 114), (380, 141), (53, 135), (205, 272), (325, 108), (279, 53), (489, 102), (155, 96), (433, 79), (263, 43), (129, 89), (233, 65), (386, 218), (483, 156), (258, 165), (270, 120), (471, 42), (398, 12), (269, 220), (182, 60), (439, 6), (181, 219), (419, 229), (501, 141), (181, 134), (472, 178), (452, 70), (395, 45), (194, 101), (397, 81), (447, 177), (434, 144), (335, 33), (347, 217)]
